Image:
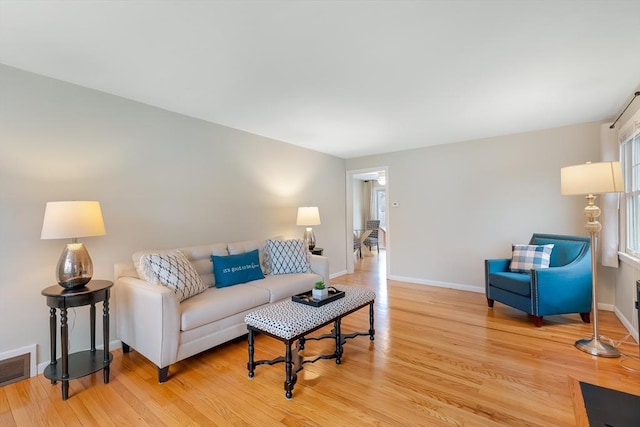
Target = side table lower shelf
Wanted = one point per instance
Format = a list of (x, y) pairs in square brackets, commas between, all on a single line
[(81, 364)]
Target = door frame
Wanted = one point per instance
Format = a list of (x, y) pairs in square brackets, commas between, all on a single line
[(349, 208)]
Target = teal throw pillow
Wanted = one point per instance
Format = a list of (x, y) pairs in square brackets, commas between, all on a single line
[(234, 269)]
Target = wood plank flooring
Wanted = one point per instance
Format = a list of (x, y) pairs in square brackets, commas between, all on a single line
[(440, 357)]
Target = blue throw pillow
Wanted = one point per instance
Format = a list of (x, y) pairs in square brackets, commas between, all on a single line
[(233, 269)]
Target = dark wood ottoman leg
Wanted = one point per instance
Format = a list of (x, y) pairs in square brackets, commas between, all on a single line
[(290, 379), (338, 329), (586, 317), (251, 365), (372, 331)]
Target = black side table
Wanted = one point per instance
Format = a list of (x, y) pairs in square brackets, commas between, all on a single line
[(317, 251), (77, 365)]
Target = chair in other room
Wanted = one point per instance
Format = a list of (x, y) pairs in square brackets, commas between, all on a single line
[(357, 246), (372, 239), (563, 287)]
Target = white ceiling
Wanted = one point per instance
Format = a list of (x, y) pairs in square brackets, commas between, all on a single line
[(348, 78)]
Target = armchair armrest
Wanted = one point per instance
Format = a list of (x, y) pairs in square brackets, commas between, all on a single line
[(320, 265), (497, 265), (565, 289), (148, 319)]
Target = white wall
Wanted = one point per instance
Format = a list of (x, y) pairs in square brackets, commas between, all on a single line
[(163, 180), (461, 203)]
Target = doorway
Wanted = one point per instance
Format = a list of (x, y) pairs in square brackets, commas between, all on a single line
[(367, 195)]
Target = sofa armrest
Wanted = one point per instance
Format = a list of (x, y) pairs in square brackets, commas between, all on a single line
[(320, 265), (148, 319)]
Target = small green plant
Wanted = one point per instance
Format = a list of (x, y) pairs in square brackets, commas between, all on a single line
[(319, 285)]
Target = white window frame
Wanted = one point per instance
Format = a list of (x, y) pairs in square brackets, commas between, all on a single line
[(630, 134)]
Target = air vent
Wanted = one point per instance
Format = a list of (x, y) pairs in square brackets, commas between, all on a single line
[(15, 369)]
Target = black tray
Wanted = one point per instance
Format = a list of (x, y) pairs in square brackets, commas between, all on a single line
[(307, 298)]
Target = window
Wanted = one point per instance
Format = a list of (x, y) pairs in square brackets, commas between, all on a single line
[(630, 162)]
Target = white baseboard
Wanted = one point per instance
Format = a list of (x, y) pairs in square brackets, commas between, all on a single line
[(626, 323), (338, 274), (458, 286)]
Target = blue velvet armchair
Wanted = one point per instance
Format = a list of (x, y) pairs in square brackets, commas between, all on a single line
[(564, 287)]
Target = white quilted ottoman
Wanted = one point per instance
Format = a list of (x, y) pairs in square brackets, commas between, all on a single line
[(290, 321)]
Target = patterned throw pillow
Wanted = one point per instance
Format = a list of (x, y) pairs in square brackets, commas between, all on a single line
[(527, 257), (287, 256), (174, 271)]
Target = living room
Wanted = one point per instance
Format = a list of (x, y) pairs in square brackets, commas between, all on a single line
[(169, 178)]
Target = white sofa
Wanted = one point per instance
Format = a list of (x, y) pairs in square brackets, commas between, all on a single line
[(151, 319)]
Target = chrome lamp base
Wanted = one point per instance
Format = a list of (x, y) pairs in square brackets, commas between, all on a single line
[(595, 347)]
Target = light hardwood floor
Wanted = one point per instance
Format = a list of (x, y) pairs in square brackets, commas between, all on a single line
[(440, 357)]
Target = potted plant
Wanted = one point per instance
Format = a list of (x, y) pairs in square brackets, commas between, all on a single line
[(320, 291)]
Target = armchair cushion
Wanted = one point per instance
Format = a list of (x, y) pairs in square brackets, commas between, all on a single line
[(524, 258), (174, 271), (517, 283)]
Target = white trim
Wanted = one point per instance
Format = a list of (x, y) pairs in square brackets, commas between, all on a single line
[(626, 324), (338, 274), (606, 307), (631, 261), (349, 208), (30, 349), (458, 286)]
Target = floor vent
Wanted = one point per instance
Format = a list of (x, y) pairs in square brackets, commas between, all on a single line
[(15, 369)]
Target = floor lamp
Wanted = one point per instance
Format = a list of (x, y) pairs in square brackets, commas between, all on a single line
[(590, 179)]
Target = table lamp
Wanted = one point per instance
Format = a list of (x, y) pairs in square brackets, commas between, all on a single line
[(590, 179), (70, 220), (309, 215)]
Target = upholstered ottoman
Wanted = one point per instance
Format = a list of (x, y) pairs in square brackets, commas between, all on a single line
[(290, 321)]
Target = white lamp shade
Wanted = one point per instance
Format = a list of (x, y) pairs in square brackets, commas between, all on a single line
[(68, 220), (308, 215), (591, 178)]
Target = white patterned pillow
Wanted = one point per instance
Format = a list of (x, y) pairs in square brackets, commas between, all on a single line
[(287, 256), (174, 271), (524, 258)]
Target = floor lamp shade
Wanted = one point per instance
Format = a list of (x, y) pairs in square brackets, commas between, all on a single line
[(592, 178), (589, 179), (307, 216), (71, 220)]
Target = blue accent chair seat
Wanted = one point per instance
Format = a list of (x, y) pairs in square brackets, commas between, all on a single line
[(564, 287)]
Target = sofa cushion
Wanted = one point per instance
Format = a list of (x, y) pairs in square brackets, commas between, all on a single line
[(527, 257), (285, 285), (287, 256), (516, 283), (234, 269), (174, 271), (218, 303)]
